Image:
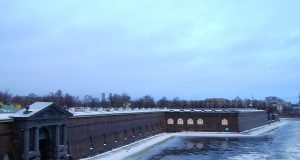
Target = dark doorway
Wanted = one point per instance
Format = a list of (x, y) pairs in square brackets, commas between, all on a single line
[(45, 144), (45, 149)]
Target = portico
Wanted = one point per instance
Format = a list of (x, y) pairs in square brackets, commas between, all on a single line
[(42, 129)]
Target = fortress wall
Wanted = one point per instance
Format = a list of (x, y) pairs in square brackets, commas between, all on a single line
[(249, 120), (211, 121), (7, 143), (92, 135)]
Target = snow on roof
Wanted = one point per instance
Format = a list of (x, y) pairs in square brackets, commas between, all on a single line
[(33, 108), (87, 111), (5, 117)]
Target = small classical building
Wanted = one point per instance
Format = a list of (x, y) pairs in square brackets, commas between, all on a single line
[(47, 131)]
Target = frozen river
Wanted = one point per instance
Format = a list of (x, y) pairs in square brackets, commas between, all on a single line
[(280, 143)]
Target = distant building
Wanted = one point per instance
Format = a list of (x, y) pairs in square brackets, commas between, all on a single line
[(8, 109), (238, 102), (106, 97), (216, 102), (17, 105), (280, 104)]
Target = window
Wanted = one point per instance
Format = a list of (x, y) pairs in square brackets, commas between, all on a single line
[(104, 139), (190, 121), (159, 126), (224, 122), (200, 121), (170, 121), (91, 143), (125, 134), (180, 121), (133, 133), (140, 130), (116, 137)]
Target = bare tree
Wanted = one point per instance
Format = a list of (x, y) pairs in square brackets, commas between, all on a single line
[(5, 97), (163, 102)]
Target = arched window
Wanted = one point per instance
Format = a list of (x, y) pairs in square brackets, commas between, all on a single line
[(190, 121), (224, 122), (170, 121), (180, 121), (200, 121)]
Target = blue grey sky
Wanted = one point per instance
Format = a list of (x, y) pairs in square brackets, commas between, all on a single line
[(192, 49)]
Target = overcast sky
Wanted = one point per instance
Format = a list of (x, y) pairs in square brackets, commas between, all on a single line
[(192, 49)]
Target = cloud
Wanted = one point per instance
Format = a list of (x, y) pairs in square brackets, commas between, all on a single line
[(193, 49)]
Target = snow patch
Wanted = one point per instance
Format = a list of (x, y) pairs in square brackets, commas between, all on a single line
[(127, 150)]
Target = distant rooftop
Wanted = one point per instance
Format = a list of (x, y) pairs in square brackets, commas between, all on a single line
[(8, 109)]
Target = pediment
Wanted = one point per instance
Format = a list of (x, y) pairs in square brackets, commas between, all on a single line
[(42, 110), (50, 112)]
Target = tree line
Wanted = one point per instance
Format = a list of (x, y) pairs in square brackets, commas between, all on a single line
[(124, 101)]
